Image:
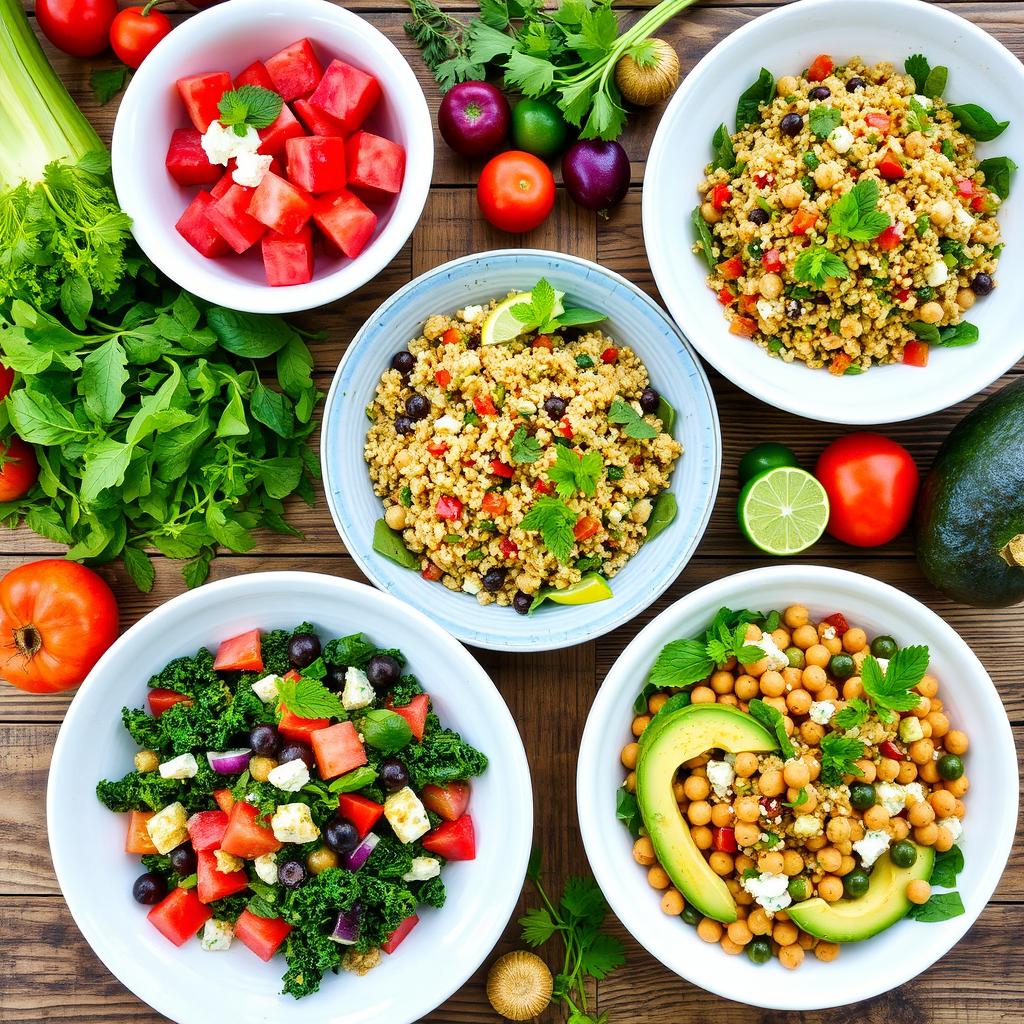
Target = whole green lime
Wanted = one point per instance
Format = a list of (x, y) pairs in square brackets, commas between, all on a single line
[(769, 455), (538, 128)]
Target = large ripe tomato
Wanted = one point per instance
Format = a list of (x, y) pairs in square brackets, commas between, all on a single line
[(56, 619), (516, 191), (18, 469), (871, 483), (78, 27), (135, 32), (6, 380)]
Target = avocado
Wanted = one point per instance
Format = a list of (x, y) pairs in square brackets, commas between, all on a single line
[(667, 742), (970, 518), (882, 905)]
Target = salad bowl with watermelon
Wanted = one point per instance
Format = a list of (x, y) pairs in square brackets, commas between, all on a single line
[(274, 155)]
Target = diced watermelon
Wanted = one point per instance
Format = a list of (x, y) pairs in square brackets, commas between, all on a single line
[(160, 700), (224, 182), (376, 166), (241, 653), (214, 884), (187, 162), (196, 227), (286, 127), (201, 94), (338, 749), (138, 839), (299, 730), (263, 935), (316, 121), (279, 205), (361, 811), (347, 94), (295, 71), (179, 915), (246, 836), (288, 259), (206, 829), (415, 713), (453, 840), (225, 799), (396, 938), (346, 221), (255, 74), (316, 163), (229, 215)]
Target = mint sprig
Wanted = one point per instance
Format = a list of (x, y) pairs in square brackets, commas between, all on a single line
[(249, 106)]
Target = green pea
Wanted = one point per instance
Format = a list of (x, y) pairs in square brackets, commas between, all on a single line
[(951, 767), (884, 647), (856, 884), (799, 888), (691, 915), (841, 666), (903, 854), (862, 796), (796, 657), (759, 950)]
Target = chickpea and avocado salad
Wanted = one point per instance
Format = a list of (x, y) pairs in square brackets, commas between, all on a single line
[(794, 785), (522, 454), (297, 797), (848, 221)]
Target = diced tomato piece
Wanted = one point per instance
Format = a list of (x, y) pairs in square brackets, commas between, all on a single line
[(245, 836), (431, 572), (720, 196), (230, 216), (415, 713), (565, 427), (437, 450), (772, 261), (762, 179), (337, 749), (397, 937), (838, 622), (453, 840), (889, 167), (263, 935), (206, 830), (275, 137), (293, 727), (288, 259), (196, 227), (494, 504), (743, 326), (186, 160), (726, 297), (347, 94), (138, 840), (838, 364), (821, 67), (225, 799), (240, 653), (484, 405), (804, 220), (453, 336), (891, 237), (360, 811), (502, 469), (201, 95), (316, 164), (541, 487), (542, 341), (295, 71), (448, 507), (448, 802), (442, 378), (748, 303), (586, 527), (903, 294), (889, 749), (915, 353), (724, 839), (610, 356), (224, 182), (965, 188), (347, 222), (255, 74), (213, 883), (279, 205), (160, 700), (179, 915), (376, 166), (316, 121), (508, 547), (731, 268), (880, 122)]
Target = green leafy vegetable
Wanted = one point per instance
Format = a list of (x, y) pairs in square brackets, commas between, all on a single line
[(685, 662), (941, 906), (823, 120), (891, 690), (817, 264), (525, 447), (955, 335), (309, 698), (999, 173), (919, 68), (853, 715), (249, 106), (935, 83), (389, 543), (917, 118), (633, 424), (948, 864), (855, 215), (554, 521), (772, 720), (838, 757), (572, 472), (704, 237), (385, 730), (748, 107), (108, 82), (926, 332), (723, 154), (977, 121), (627, 810)]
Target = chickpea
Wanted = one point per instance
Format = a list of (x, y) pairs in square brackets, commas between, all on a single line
[(805, 636), (814, 677), (943, 803), (261, 767), (702, 695), (643, 851), (747, 231), (672, 903), (746, 687), (812, 766), (815, 843), (710, 214), (696, 788), (838, 830), (956, 742), (921, 751), (699, 812), (641, 511), (395, 517), (928, 687), (919, 891), (795, 615), (908, 772), (876, 817), (792, 195), (830, 888), (787, 85), (742, 863), (630, 783), (830, 859), (888, 769), (759, 922), (679, 793), (630, 752), (986, 232), (721, 863), (796, 774), (939, 723), (915, 145), (926, 834), (835, 645), (960, 811), (722, 682), (753, 633), (809, 802), (730, 947), (921, 813), (827, 174), (146, 761), (798, 701), (868, 771), (817, 654), (402, 459), (747, 833), (708, 930), (940, 214), (702, 837), (854, 640), (899, 828), (657, 877), (965, 298), (811, 733), (930, 312), (770, 783), (958, 787), (929, 773), (721, 816), (793, 676), (730, 699), (747, 808), (770, 862), (943, 839), (782, 638), (828, 692), (770, 286), (746, 764), (805, 941), (826, 951), (785, 933), (772, 684), (657, 702), (639, 724), (321, 859), (792, 863), (739, 932), (848, 863)]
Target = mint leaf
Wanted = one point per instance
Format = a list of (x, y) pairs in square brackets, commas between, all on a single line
[(249, 106), (947, 866), (748, 107), (572, 472), (977, 121), (853, 715), (919, 69), (108, 82), (554, 521), (681, 663), (309, 698), (855, 214), (892, 690), (632, 423), (817, 264)]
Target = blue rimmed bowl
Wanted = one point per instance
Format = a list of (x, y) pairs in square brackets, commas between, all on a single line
[(634, 319)]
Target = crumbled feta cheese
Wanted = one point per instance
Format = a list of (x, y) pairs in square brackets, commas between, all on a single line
[(181, 767), (223, 144), (251, 169), (228, 862), (953, 825), (828, 633), (614, 516), (840, 139), (768, 309), (406, 815), (266, 688), (777, 659), (822, 711), (872, 846), (936, 274), (806, 825), (471, 314), (358, 692), (924, 101), (891, 796), (266, 868), (290, 776), (168, 828), (448, 424), (769, 891), (913, 793), (217, 935), (471, 586), (721, 776), (292, 823), (963, 218), (422, 869)]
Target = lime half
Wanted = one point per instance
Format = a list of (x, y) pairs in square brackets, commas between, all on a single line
[(783, 510), (503, 325)]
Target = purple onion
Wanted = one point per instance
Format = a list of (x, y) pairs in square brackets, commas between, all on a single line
[(361, 854), (596, 173), (229, 762), (473, 118), (346, 927)]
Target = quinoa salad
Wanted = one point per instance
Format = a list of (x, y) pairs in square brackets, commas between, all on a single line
[(848, 221), (521, 453), (843, 819)]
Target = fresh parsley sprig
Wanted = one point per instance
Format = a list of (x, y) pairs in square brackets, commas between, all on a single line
[(525, 448), (816, 264), (572, 472), (856, 216), (554, 520), (633, 424), (892, 690), (839, 755), (685, 662), (249, 106), (823, 120), (853, 715), (928, 81)]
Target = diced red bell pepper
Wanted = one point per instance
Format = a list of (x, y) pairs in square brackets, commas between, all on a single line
[(838, 364), (732, 268), (196, 227), (347, 222), (983, 201), (838, 622), (771, 261), (748, 303), (502, 469), (453, 336), (415, 713), (743, 326), (263, 935), (298, 729), (230, 216), (201, 95), (316, 121), (891, 237), (275, 137), (915, 353), (889, 749), (448, 802), (880, 122), (347, 94), (726, 297), (586, 527), (138, 840), (902, 295), (279, 205), (448, 507), (803, 220), (316, 164), (543, 341), (494, 504), (542, 487), (255, 74), (437, 450), (206, 830), (337, 749), (720, 196), (376, 166), (160, 700), (360, 811), (225, 799), (484, 405), (724, 839), (213, 883), (564, 428), (508, 547), (610, 356), (179, 915), (453, 840), (890, 168), (431, 572), (240, 653), (288, 259), (245, 836), (295, 71), (821, 67), (186, 160), (397, 937), (442, 378)]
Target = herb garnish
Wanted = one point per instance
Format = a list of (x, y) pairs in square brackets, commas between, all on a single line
[(722, 149), (999, 172), (748, 107), (928, 81), (823, 120), (891, 690), (917, 118), (309, 698), (817, 264), (554, 521), (855, 215), (632, 423), (853, 715), (572, 472), (249, 106), (977, 121), (773, 721), (838, 757), (539, 313), (525, 447), (704, 237)]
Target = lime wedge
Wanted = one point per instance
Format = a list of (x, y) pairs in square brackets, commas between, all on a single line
[(502, 325), (590, 589), (783, 510)]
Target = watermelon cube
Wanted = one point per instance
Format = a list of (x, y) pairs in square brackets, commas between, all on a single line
[(295, 71), (279, 205), (316, 164), (347, 94), (346, 221), (197, 229), (288, 259), (201, 94), (187, 162), (376, 166), (315, 120), (225, 181), (286, 127), (230, 217), (254, 74)]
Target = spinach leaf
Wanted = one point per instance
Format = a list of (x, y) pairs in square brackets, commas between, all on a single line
[(978, 122), (723, 155), (703, 233), (956, 335), (748, 107), (942, 906), (999, 172)]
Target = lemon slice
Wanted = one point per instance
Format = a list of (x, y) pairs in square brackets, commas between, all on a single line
[(502, 325)]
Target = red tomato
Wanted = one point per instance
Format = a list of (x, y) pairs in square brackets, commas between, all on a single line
[(821, 67), (138, 839), (731, 268), (263, 935), (494, 504), (360, 811), (720, 196), (880, 121), (516, 191), (508, 547), (543, 341), (78, 27), (890, 168), (587, 527), (772, 261), (891, 237), (18, 469), (839, 364), (442, 378), (396, 938), (915, 353), (437, 450), (743, 326), (502, 469), (337, 749), (453, 336), (133, 35), (214, 884), (6, 380), (448, 802), (300, 730), (448, 508), (431, 573), (610, 355), (726, 297), (206, 830), (245, 835), (484, 405), (804, 220), (160, 700), (56, 619), (871, 484)]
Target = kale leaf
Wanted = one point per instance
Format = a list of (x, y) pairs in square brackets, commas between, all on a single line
[(442, 757)]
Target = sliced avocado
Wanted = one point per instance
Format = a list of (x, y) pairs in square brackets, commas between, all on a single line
[(882, 905), (678, 737)]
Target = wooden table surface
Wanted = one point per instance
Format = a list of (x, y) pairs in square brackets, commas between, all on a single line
[(49, 973)]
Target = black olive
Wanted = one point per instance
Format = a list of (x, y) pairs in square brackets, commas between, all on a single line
[(417, 407), (791, 124), (982, 284), (820, 92), (494, 579), (341, 836), (758, 216), (149, 888), (393, 775), (649, 400), (555, 407), (335, 678), (183, 860), (383, 670), (403, 362), (403, 425), (821, 299), (521, 602), (265, 740), (792, 309), (303, 649), (855, 83), (291, 874), (296, 752)]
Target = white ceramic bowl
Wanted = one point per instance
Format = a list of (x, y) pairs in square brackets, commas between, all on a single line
[(194, 987), (229, 37), (634, 319), (863, 969), (981, 70)]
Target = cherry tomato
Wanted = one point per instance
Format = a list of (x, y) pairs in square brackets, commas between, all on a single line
[(6, 380), (134, 34), (56, 619), (78, 27), (18, 469), (871, 484), (516, 191)]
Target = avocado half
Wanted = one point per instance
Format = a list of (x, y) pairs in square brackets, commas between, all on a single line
[(665, 745), (881, 906)]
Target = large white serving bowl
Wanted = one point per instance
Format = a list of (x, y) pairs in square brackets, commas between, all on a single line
[(195, 987), (863, 969), (634, 319), (785, 40), (229, 37)]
